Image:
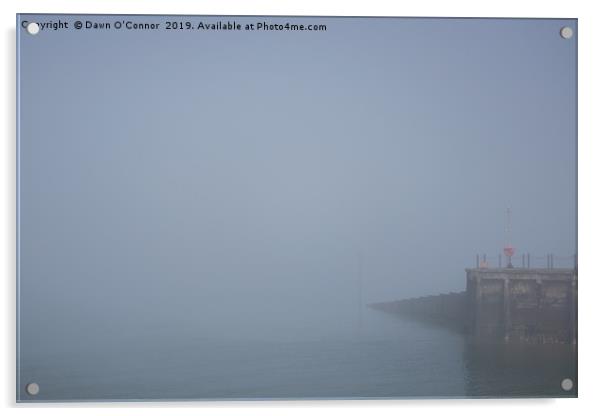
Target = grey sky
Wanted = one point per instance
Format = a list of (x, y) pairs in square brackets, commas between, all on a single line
[(176, 176)]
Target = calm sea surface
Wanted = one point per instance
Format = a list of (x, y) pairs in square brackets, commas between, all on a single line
[(387, 356)]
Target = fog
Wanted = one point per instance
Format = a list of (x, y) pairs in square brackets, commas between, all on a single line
[(228, 185)]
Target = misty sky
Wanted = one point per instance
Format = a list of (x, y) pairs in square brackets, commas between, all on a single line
[(232, 178)]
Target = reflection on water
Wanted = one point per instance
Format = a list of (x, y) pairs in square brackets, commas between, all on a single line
[(519, 370), (388, 357)]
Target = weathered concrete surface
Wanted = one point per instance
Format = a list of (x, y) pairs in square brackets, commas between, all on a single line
[(522, 305)]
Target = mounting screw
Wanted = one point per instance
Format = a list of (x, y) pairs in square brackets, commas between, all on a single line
[(33, 28), (567, 384), (32, 389), (566, 32)]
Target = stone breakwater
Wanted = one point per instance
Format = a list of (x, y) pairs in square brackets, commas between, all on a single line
[(508, 305)]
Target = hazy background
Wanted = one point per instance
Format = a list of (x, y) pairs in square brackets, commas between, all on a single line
[(176, 184)]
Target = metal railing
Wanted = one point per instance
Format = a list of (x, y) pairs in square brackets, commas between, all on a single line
[(527, 261)]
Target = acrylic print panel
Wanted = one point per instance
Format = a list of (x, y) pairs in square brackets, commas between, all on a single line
[(214, 207)]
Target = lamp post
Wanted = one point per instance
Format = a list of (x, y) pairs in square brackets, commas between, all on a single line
[(508, 249), (509, 252)]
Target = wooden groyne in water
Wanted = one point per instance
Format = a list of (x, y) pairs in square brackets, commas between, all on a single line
[(512, 305)]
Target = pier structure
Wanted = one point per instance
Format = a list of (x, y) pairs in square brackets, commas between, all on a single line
[(522, 304)]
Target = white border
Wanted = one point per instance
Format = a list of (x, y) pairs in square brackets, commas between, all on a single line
[(590, 207)]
